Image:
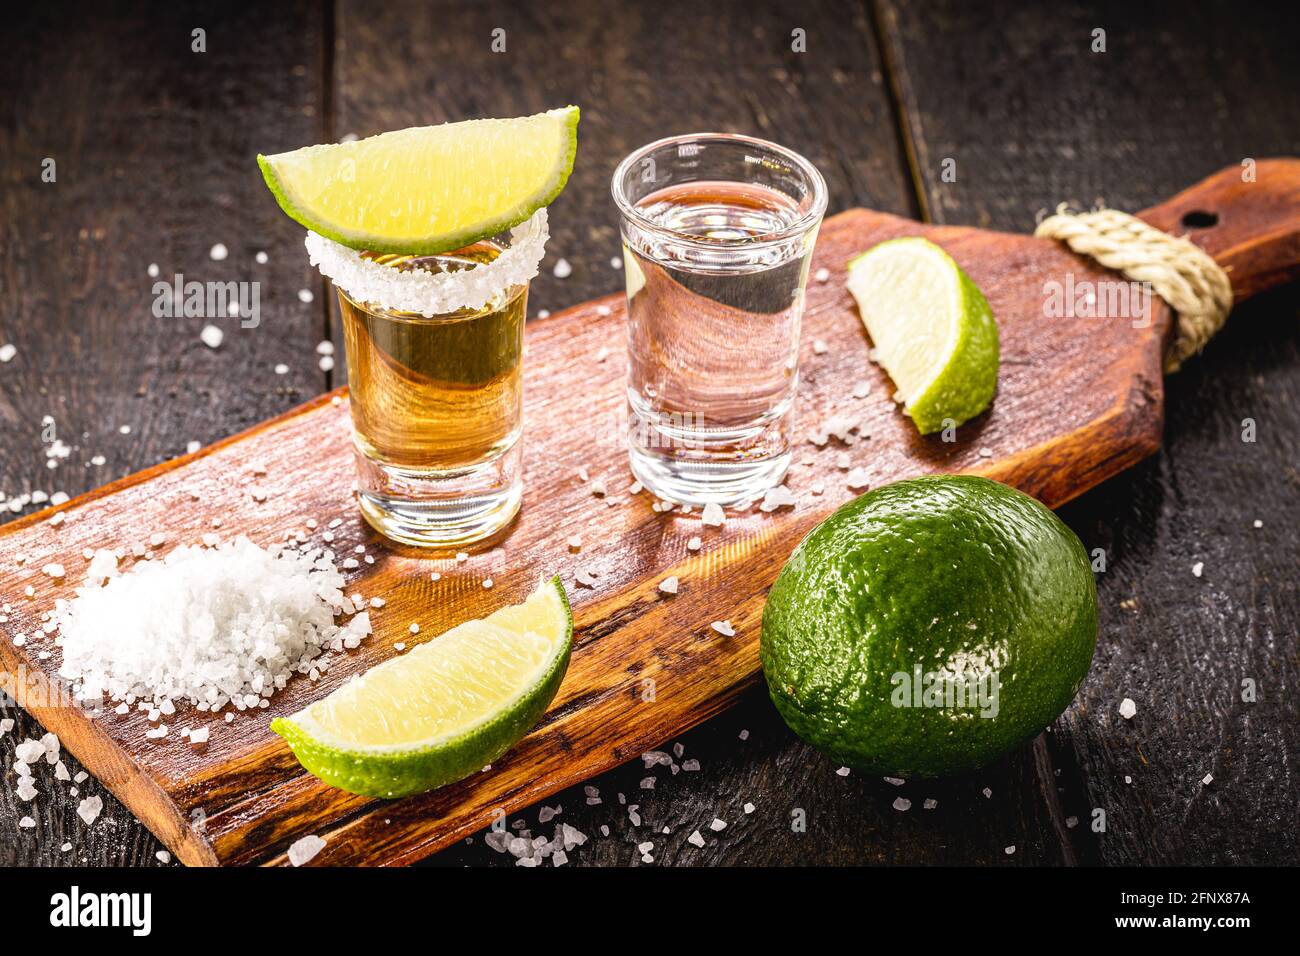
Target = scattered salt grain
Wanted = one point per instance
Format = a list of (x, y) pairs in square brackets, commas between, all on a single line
[(305, 296), (261, 258), (822, 275), (862, 390), (724, 628), (1010, 850), (153, 270), (902, 804), (842, 772), (562, 269), (199, 736), (695, 839), (7, 352), (930, 803), (857, 479), (89, 809), (1197, 568), (487, 583), (778, 497), (694, 544), (718, 825), (414, 628), (218, 252), (212, 336), (27, 823), (304, 850), (820, 347), (162, 856), (712, 515), (668, 585), (1127, 708), (1207, 779), (281, 369)]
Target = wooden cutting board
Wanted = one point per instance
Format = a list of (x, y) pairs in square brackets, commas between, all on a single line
[(1078, 400)]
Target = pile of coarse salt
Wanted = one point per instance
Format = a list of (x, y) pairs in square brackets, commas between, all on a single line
[(210, 625)]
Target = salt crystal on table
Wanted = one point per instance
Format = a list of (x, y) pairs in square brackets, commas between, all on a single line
[(162, 856), (1127, 708), (89, 809), (930, 803), (777, 497), (1197, 568), (712, 515), (724, 628), (820, 347), (668, 585), (857, 479), (212, 336), (562, 269), (718, 825), (27, 823), (218, 252), (304, 850), (1207, 779), (748, 808), (694, 544), (902, 804), (6, 725), (199, 736), (30, 751)]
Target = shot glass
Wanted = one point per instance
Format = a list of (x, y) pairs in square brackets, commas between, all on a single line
[(434, 348), (718, 232)]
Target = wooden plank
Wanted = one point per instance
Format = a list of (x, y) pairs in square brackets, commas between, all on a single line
[(653, 71), (1031, 117), (153, 146), (253, 798)]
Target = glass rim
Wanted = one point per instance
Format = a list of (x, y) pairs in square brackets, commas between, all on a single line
[(380, 288), (800, 226)]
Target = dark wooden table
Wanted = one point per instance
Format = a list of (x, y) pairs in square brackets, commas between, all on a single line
[(153, 147)]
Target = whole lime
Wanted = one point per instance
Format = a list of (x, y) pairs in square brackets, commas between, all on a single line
[(929, 626)]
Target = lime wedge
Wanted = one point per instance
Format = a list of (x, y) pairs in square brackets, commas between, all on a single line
[(931, 327), (427, 189), (442, 711)]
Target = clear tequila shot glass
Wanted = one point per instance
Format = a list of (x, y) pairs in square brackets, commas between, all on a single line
[(434, 351), (718, 232)]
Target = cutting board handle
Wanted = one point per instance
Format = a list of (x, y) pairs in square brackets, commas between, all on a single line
[(1247, 217)]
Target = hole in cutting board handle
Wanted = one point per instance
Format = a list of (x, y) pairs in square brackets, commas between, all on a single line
[(1200, 219)]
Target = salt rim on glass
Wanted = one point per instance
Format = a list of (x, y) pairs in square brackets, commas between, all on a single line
[(427, 293)]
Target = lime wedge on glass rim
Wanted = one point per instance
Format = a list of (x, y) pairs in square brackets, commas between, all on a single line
[(932, 330), (443, 710), (427, 189)]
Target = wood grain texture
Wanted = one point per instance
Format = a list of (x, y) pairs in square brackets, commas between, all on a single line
[(250, 795), (1031, 117), (153, 146), (1010, 90)]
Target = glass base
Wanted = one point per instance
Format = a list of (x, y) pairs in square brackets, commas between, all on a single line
[(440, 509), (698, 482)]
